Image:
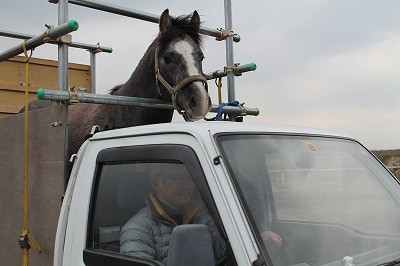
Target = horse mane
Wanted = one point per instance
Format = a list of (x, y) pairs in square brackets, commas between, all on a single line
[(179, 26), (115, 89)]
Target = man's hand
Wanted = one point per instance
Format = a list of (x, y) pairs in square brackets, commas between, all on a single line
[(275, 239)]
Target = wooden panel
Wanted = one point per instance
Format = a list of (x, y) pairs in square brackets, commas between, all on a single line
[(42, 74), (12, 101)]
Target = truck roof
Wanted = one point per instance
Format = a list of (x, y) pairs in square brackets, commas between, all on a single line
[(201, 128)]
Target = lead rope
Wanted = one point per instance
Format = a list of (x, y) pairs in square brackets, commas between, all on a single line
[(219, 86), (24, 238), (218, 116)]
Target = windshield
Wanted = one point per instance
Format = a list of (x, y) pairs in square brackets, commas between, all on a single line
[(327, 200)]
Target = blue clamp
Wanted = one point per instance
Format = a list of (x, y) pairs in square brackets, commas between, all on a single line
[(218, 117)]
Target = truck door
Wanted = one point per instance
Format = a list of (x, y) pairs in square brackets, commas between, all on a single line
[(124, 193)]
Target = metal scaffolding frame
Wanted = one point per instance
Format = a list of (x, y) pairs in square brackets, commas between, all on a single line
[(92, 49), (65, 96), (230, 71), (49, 35), (60, 35)]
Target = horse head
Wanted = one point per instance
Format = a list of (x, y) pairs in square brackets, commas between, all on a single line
[(178, 65)]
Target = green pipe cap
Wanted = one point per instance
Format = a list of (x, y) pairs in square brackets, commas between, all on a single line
[(40, 94), (236, 38), (253, 66), (73, 25)]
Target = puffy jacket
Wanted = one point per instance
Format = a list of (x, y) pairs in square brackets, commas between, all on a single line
[(148, 233)]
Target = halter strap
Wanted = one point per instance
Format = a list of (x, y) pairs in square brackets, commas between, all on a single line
[(180, 85), (173, 90)]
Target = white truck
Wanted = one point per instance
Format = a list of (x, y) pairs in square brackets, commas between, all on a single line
[(330, 199)]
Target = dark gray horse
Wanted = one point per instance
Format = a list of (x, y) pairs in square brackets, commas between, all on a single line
[(171, 69)]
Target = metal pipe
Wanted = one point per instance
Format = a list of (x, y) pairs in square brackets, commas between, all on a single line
[(236, 111), (62, 48), (229, 51), (236, 71), (127, 12), (24, 36), (63, 96), (54, 33), (63, 81), (90, 47), (15, 35), (92, 72)]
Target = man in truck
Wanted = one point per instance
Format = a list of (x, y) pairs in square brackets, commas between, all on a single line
[(148, 233)]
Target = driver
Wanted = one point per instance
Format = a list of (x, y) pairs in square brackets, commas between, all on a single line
[(148, 233)]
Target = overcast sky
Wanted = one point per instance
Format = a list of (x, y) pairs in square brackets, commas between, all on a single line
[(326, 64)]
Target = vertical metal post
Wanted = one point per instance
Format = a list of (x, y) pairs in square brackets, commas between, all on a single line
[(229, 50), (62, 48), (93, 71), (63, 80)]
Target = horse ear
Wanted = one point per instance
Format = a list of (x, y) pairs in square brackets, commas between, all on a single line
[(195, 20), (165, 21)]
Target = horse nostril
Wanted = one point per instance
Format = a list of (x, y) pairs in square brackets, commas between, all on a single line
[(192, 103)]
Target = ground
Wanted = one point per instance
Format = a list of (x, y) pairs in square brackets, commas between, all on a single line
[(391, 158)]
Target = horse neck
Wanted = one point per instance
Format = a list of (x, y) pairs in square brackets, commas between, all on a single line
[(140, 84), (142, 81)]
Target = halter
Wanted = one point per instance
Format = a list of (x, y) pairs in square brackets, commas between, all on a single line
[(174, 90)]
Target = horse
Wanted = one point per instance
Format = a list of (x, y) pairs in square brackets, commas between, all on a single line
[(171, 70)]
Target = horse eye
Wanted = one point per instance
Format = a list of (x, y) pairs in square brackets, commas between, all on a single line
[(167, 59)]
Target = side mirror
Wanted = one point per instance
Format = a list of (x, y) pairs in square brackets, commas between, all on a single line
[(191, 244)]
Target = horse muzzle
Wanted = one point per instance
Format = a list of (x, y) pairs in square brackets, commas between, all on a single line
[(187, 113)]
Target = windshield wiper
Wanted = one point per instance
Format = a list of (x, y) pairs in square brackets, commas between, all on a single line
[(390, 263)]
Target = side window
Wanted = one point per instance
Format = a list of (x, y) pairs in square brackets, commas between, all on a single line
[(141, 195), (121, 192)]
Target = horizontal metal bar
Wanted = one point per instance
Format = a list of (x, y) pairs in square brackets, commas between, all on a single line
[(15, 35), (127, 12), (89, 47), (64, 96), (53, 34), (234, 110), (237, 70)]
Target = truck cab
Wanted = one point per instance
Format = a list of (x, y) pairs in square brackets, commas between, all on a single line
[(330, 199)]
